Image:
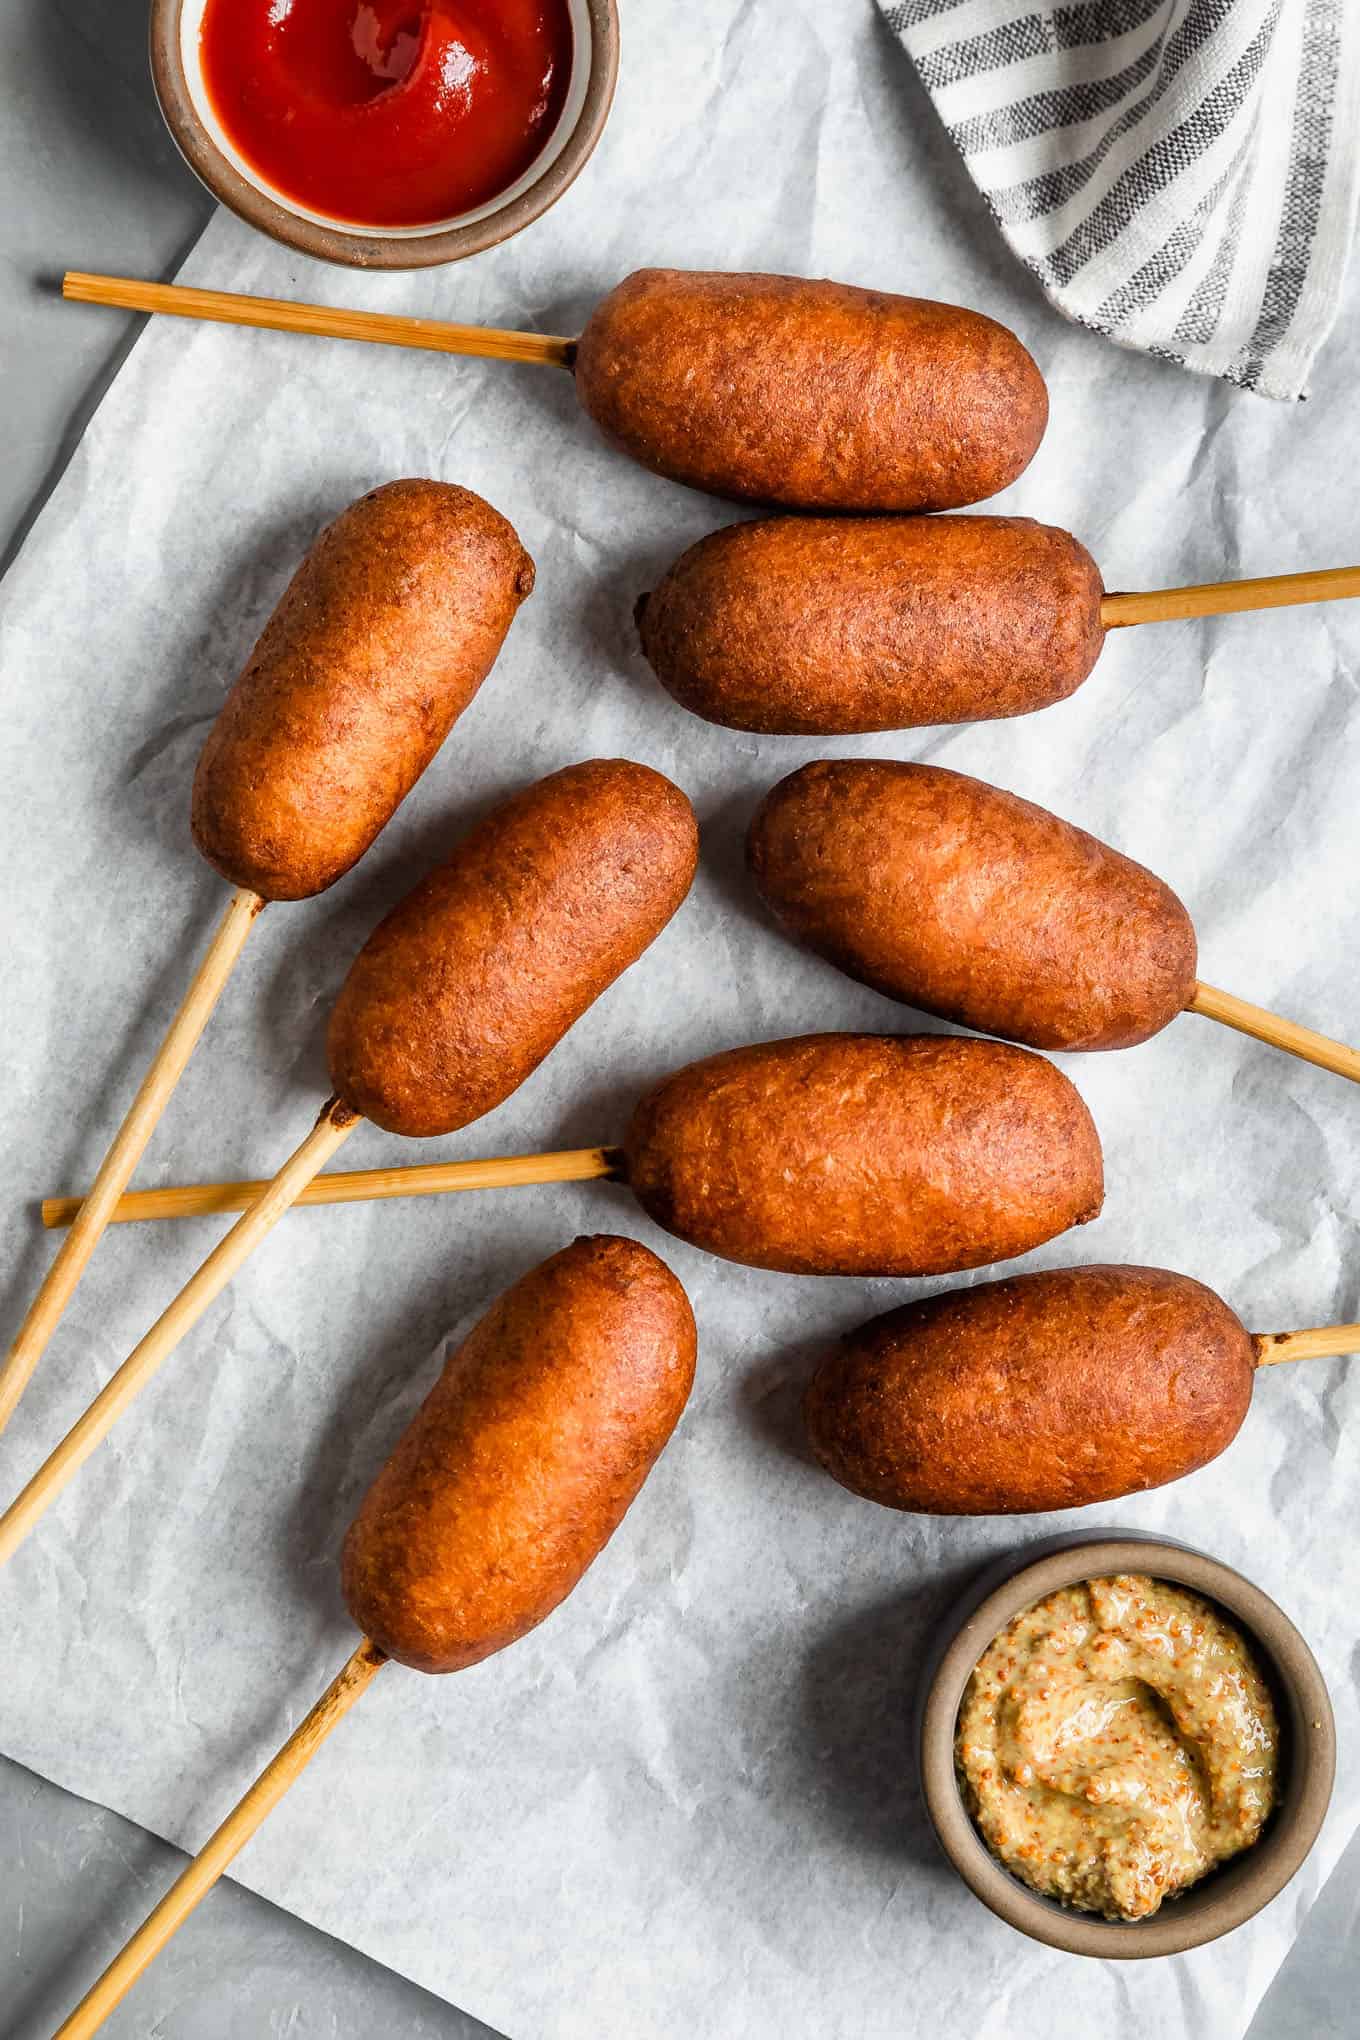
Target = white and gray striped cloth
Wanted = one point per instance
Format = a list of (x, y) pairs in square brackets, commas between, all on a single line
[(1179, 174)]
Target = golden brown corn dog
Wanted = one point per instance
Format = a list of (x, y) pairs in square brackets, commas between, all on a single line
[(816, 395), (521, 1462), (825, 627), (378, 644), (472, 978), (866, 1154), (966, 901), (1047, 1391)]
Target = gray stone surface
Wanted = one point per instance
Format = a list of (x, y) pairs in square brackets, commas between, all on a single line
[(92, 182), (76, 1880)]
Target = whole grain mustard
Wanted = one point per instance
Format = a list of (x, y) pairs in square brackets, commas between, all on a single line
[(1115, 1742)]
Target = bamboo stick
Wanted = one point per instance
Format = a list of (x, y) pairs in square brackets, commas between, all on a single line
[(585, 1164), (582, 1165), (1231, 1011), (195, 1882), (356, 1186), (284, 315), (1322, 1342), (1224, 598), (334, 1125), (95, 1210)]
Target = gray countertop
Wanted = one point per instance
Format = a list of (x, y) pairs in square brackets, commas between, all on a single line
[(93, 182)]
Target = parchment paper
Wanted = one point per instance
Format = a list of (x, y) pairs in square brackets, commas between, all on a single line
[(686, 1804)]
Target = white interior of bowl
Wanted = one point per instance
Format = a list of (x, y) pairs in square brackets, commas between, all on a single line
[(190, 23)]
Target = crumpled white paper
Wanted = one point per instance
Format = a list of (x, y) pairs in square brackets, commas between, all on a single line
[(686, 1804)]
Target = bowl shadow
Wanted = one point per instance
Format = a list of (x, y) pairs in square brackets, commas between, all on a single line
[(853, 1760)]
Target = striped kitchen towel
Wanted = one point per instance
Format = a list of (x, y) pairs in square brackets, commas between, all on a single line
[(1179, 174)]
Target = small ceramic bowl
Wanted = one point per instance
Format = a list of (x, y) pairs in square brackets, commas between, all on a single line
[(177, 74), (1228, 1897)]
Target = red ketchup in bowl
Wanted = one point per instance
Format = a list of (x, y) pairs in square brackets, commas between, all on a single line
[(391, 113)]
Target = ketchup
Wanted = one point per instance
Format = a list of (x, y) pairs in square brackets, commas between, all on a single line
[(392, 113)]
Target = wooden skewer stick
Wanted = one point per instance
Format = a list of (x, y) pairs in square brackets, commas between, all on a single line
[(284, 315), (1276, 1032), (1224, 598), (195, 1882), (94, 1211), (356, 1186), (335, 1125), (583, 1165), (1322, 1342)]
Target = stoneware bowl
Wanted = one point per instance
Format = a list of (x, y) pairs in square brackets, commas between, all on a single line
[(1228, 1897), (178, 78)]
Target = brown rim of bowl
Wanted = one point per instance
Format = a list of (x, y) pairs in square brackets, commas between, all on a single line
[(355, 246), (1227, 1898)]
